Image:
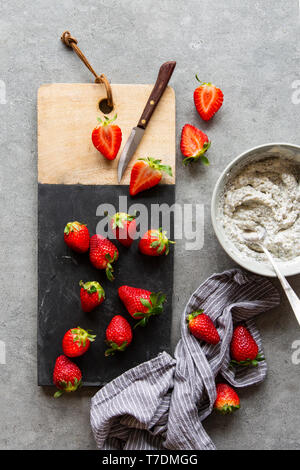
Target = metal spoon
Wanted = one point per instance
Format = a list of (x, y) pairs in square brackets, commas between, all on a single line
[(258, 238)]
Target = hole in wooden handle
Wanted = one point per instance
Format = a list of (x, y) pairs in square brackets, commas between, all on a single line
[(104, 107)]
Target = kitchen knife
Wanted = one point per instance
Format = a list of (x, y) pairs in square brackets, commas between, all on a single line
[(164, 75)]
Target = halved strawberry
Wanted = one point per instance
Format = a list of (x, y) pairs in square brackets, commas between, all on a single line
[(208, 99), (193, 144), (107, 138), (146, 173)]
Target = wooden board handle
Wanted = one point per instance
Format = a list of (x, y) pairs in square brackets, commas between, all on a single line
[(164, 75)]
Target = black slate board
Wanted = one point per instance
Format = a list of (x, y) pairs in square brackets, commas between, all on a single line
[(60, 270)]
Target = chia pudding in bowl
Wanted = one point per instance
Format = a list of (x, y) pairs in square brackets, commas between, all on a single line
[(261, 188)]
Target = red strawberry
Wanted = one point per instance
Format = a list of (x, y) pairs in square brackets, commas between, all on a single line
[(102, 254), (140, 303), (193, 144), (154, 243), (202, 327), (118, 335), (66, 376), (76, 342), (107, 138), (208, 99), (91, 295), (146, 173), (227, 399), (77, 237), (124, 227), (243, 348)]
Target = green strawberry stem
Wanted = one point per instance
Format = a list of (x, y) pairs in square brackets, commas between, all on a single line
[(162, 242), (82, 335), (202, 83), (106, 120), (204, 159), (114, 347), (67, 387), (248, 362), (194, 314), (109, 269), (93, 286), (156, 165), (121, 217), (154, 305), (226, 409), (72, 227)]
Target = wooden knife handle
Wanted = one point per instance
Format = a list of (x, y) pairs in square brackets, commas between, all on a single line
[(164, 75)]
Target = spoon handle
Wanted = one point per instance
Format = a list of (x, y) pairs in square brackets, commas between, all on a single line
[(290, 293)]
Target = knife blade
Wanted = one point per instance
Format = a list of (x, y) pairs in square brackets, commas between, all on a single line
[(136, 135)]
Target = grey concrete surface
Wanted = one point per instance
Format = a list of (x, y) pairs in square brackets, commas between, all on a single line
[(251, 50)]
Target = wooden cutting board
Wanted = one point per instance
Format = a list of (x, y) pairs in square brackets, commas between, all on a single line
[(67, 114), (74, 179)]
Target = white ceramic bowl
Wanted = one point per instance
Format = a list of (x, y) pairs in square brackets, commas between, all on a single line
[(289, 151)]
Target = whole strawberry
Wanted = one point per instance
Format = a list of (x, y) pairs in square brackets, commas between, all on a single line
[(102, 254), (66, 376), (124, 228), (146, 173), (76, 342), (107, 137), (202, 327), (154, 243), (118, 335), (91, 295), (77, 237), (243, 348), (193, 145), (208, 99), (141, 304), (227, 399)]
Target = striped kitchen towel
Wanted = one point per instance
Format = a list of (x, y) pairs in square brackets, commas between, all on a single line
[(161, 404)]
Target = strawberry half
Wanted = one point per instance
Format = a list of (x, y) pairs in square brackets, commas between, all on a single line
[(201, 326), (227, 399), (76, 342), (66, 376), (102, 254), (91, 295), (124, 228), (141, 304), (107, 138), (118, 335), (146, 173), (208, 99), (193, 144), (243, 348), (77, 237), (154, 243)]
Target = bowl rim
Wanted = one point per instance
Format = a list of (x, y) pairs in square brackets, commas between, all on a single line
[(264, 271)]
